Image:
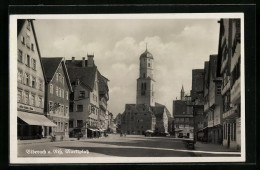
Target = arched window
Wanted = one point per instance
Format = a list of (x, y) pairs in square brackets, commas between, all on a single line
[(143, 89), (143, 75)]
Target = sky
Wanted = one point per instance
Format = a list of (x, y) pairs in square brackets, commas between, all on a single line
[(177, 45)]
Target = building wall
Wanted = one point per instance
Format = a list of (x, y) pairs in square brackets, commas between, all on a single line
[(137, 120), (35, 92), (57, 101), (79, 115)]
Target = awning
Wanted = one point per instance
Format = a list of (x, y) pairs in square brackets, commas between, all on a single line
[(35, 119)]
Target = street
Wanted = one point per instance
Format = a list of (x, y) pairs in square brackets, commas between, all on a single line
[(116, 146)]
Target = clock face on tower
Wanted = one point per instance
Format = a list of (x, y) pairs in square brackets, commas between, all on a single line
[(145, 82)]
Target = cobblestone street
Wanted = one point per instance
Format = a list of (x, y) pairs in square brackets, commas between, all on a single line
[(116, 146)]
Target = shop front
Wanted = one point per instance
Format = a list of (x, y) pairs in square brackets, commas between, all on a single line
[(32, 126)]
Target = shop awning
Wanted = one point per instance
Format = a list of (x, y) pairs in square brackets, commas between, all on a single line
[(35, 119)]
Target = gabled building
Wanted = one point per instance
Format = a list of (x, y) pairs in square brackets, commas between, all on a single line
[(229, 59), (30, 84), (84, 100), (197, 98), (213, 103), (57, 92), (103, 99), (183, 117)]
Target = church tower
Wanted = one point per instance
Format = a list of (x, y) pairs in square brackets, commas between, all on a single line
[(182, 93), (145, 82)]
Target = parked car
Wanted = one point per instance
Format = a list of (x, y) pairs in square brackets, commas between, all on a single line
[(75, 133), (180, 135), (148, 133)]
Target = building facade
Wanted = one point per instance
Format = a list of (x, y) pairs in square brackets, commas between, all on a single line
[(183, 117), (84, 100), (213, 106), (30, 84), (146, 114), (197, 98), (229, 59), (57, 92)]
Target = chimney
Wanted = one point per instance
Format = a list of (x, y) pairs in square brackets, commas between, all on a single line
[(83, 61), (90, 60), (73, 59)]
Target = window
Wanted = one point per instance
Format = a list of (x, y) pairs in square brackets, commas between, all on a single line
[(33, 82), (149, 65), (50, 106), (51, 88), (82, 94), (19, 96), (28, 41), (60, 92), (29, 25), (32, 47), (71, 107), (22, 40), (27, 79), (27, 60), (40, 84), (40, 101), (57, 77), (181, 119), (70, 123), (33, 64), (33, 100), (62, 109), (80, 123), (20, 76), (57, 91), (143, 89), (80, 108), (26, 98), (62, 80), (234, 131), (67, 110), (67, 95), (60, 77), (186, 119), (20, 56)]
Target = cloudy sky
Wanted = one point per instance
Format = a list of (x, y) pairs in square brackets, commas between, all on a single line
[(178, 46)]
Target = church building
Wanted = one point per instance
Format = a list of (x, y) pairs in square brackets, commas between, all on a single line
[(146, 114)]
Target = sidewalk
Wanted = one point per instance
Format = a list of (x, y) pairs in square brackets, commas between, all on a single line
[(212, 147), (48, 139)]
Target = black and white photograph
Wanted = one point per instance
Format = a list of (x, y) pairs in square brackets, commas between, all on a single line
[(127, 88)]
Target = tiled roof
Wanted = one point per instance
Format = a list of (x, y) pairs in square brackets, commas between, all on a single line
[(102, 84), (86, 75), (20, 23), (50, 66)]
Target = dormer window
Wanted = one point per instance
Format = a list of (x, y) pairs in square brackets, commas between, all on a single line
[(29, 25)]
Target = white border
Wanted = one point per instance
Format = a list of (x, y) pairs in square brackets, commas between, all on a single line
[(41, 160)]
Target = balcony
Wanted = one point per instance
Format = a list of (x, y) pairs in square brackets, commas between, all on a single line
[(231, 113), (235, 92), (102, 105), (210, 123), (206, 106), (225, 85)]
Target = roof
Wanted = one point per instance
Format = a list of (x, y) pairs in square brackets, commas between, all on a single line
[(102, 84), (86, 75), (146, 54), (50, 66), (167, 111)]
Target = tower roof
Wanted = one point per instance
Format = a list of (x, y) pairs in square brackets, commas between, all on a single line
[(182, 89), (146, 54)]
